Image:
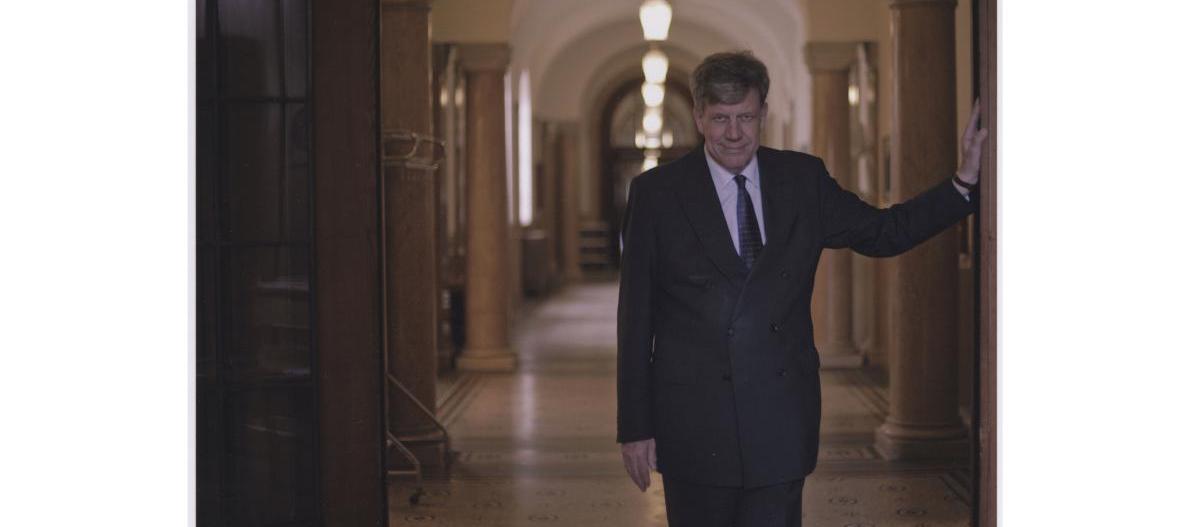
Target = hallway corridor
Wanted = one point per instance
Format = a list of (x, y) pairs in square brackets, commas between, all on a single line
[(537, 446)]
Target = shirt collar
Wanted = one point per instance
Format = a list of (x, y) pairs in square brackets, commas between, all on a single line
[(721, 175)]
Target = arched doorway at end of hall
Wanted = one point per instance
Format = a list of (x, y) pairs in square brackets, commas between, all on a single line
[(621, 157)]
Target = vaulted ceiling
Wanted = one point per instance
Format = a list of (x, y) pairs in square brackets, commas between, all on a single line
[(573, 48)]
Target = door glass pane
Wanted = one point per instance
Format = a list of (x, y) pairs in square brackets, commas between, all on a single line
[(206, 78), (255, 431), (206, 314), (206, 173), (256, 190), (267, 311), (208, 455), (250, 48), (269, 466), (295, 41), (295, 217)]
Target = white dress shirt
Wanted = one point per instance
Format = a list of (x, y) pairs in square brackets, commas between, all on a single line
[(727, 192)]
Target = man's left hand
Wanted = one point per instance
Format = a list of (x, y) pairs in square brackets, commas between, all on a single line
[(972, 145)]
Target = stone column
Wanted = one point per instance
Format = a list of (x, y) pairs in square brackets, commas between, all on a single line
[(487, 272), (443, 115), (832, 307), (410, 236), (549, 188), (568, 162), (923, 420)]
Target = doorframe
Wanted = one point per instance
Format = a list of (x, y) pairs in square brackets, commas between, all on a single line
[(987, 395)]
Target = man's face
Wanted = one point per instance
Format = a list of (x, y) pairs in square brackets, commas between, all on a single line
[(731, 130)]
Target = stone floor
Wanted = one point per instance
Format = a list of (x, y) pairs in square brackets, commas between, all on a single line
[(536, 447)]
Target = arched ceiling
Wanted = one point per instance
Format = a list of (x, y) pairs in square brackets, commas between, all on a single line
[(570, 94), (572, 46), (677, 118)]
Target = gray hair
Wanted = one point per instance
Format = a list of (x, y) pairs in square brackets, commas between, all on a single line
[(726, 77)]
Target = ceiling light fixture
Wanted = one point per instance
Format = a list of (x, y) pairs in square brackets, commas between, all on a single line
[(653, 94), (652, 121), (654, 66), (656, 19)]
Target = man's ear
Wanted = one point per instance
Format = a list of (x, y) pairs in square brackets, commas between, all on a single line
[(762, 117), (697, 115)]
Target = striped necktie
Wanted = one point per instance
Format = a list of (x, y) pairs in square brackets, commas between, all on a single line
[(749, 239)]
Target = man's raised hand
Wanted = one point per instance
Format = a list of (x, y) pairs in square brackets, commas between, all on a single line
[(972, 145)]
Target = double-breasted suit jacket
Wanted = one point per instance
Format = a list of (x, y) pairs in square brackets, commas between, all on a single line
[(716, 362)]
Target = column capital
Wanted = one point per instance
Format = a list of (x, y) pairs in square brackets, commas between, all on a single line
[(896, 4), (484, 57), (830, 56), (413, 5)]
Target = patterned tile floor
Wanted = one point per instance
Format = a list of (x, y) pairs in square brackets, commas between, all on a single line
[(536, 447)]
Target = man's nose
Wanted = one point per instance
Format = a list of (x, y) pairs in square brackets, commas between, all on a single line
[(733, 132)]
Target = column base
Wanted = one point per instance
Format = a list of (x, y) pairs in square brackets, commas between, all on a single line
[(485, 360), (841, 356), (900, 442)]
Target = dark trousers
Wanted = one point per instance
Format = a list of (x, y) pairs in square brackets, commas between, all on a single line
[(694, 505)]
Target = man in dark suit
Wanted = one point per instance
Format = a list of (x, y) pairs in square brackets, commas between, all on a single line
[(717, 381)]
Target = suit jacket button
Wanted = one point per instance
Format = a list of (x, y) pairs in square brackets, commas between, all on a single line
[(774, 327), (785, 274), (726, 377), (729, 332), (783, 372)]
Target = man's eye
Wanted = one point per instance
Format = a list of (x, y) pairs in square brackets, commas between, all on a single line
[(720, 119), (747, 118)]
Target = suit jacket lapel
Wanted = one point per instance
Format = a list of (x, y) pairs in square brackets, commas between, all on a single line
[(699, 199), (779, 207), (779, 214)]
